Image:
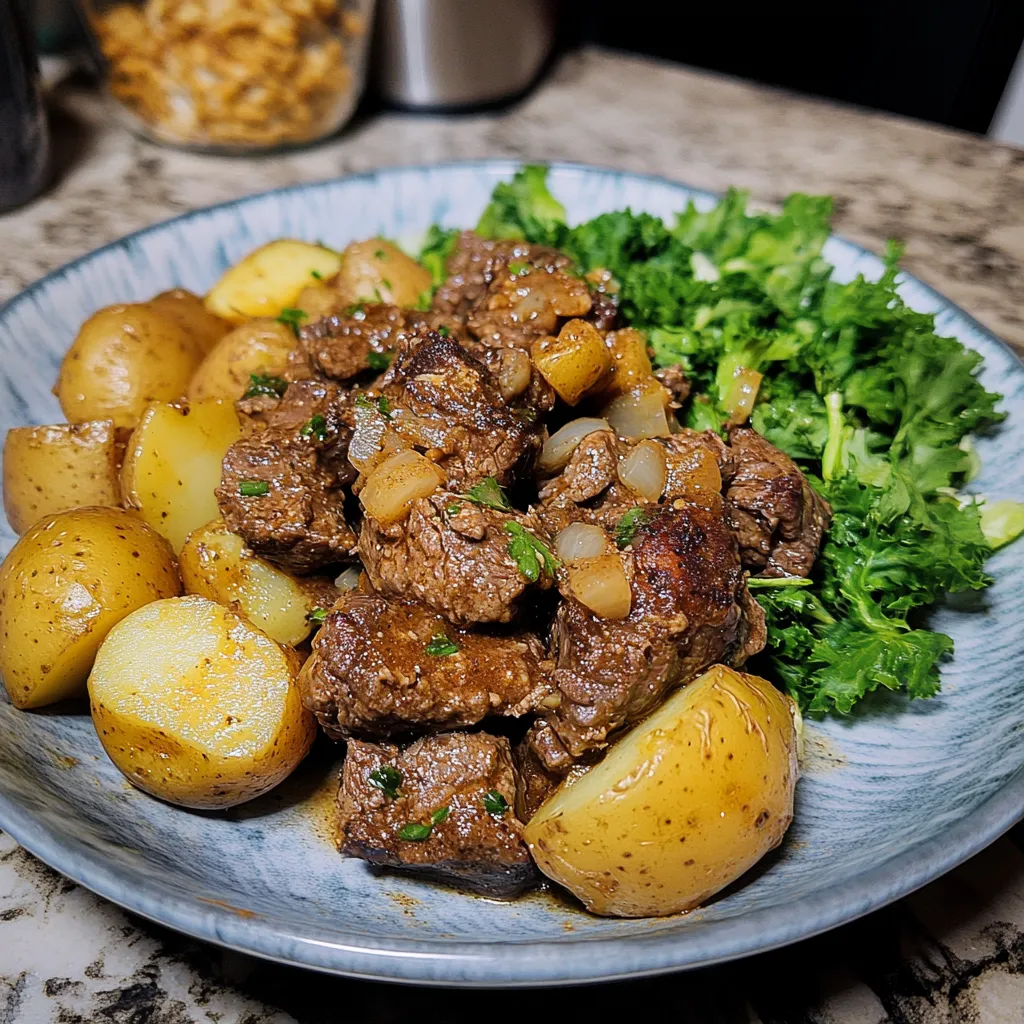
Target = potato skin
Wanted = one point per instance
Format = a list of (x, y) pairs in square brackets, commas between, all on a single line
[(198, 707), (377, 267), (55, 468), (259, 346), (189, 313), (681, 806), (123, 358), (63, 586)]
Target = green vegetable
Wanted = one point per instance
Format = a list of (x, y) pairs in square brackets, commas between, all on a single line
[(441, 814), (380, 254), (763, 582), (357, 310), (443, 331), (495, 803), (441, 645), (414, 832), (263, 385), (453, 508), (291, 317), (253, 488), (627, 526), (381, 404), (530, 554), (317, 616), (489, 493), (316, 274), (517, 268), (316, 427), (437, 247), (378, 360), (387, 778), (524, 208)]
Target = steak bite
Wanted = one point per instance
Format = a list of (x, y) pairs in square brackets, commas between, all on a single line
[(690, 609), (778, 518), (386, 668), (454, 556), (342, 346), (443, 809)]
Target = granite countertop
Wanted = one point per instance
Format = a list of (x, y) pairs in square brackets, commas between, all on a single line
[(950, 954)]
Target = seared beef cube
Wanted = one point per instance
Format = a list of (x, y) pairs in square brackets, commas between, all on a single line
[(340, 346), (386, 668), (442, 400), (690, 609), (444, 808), (676, 382), (535, 783), (777, 516), (280, 491), (453, 556), (604, 311)]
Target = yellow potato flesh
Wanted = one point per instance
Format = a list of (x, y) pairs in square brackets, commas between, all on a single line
[(681, 806), (574, 362), (51, 469), (173, 464), (196, 706), (66, 582), (260, 346), (216, 564), (270, 279)]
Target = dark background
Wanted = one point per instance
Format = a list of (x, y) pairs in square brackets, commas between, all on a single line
[(939, 60)]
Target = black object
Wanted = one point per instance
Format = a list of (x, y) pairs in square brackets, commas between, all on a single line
[(24, 132)]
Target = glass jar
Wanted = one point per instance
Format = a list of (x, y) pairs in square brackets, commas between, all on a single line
[(233, 75)]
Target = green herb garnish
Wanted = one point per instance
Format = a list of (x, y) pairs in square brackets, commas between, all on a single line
[(260, 384), (489, 493), (441, 814), (530, 554), (414, 832), (517, 268), (387, 284), (381, 404), (495, 803), (357, 310), (625, 531), (253, 488), (378, 360), (387, 778), (377, 296), (380, 254), (766, 582), (317, 616), (315, 427), (443, 331), (425, 300), (525, 413), (316, 274), (453, 508), (384, 407), (290, 317), (441, 645)]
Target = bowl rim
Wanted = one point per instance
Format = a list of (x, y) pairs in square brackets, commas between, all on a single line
[(511, 963)]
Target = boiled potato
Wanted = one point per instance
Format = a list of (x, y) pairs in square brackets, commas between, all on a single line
[(63, 586), (377, 271), (51, 469), (173, 462), (196, 706), (681, 805), (270, 279), (260, 346), (574, 362), (215, 563), (123, 358), (189, 312)]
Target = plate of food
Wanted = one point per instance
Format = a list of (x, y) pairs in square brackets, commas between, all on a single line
[(495, 575)]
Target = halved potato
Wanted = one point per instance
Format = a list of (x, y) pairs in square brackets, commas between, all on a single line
[(681, 805), (173, 463), (378, 271), (63, 586), (215, 563), (260, 346), (270, 279), (189, 312), (575, 362), (196, 706), (51, 469)]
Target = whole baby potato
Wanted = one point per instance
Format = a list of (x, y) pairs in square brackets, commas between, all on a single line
[(198, 707), (681, 806), (191, 314), (378, 271), (66, 582), (123, 358), (260, 346)]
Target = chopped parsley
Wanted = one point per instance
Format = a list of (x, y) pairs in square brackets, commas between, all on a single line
[(495, 803), (387, 778), (532, 556), (290, 317), (626, 530), (443, 331), (378, 360), (453, 508), (380, 254), (260, 384), (316, 274), (253, 488), (425, 300), (441, 814), (414, 832), (763, 582), (517, 268), (387, 284), (357, 309), (525, 413), (488, 493), (382, 405), (315, 427), (317, 616), (377, 296), (441, 645)]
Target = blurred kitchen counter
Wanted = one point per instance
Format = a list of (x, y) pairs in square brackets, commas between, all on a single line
[(950, 954)]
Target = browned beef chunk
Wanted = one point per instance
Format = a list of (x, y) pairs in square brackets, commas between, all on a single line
[(604, 311), (444, 402), (777, 516), (298, 522), (340, 346), (453, 556), (379, 668), (690, 609), (453, 786), (674, 378), (535, 783)]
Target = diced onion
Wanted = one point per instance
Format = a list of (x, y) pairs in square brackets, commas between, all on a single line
[(396, 483), (639, 415), (600, 584), (644, 470), (513, 372), (558, 448), (580, 540), (364, 450), (574, 362), (742, 394), (349, 579)]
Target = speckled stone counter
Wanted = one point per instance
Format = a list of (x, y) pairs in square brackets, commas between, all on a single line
[(951, 954)]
